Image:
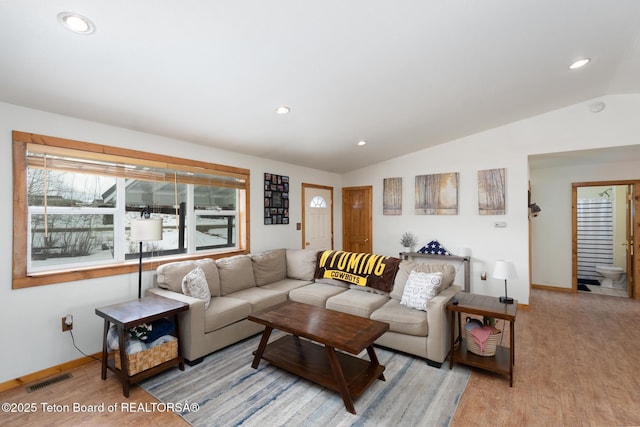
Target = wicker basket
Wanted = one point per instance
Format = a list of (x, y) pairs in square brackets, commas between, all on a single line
[(489, 347), (149, 358)]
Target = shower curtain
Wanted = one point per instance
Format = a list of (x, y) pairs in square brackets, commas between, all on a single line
[(595, 236)]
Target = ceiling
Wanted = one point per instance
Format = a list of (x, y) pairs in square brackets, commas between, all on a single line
[(592, 157), (403, 75)]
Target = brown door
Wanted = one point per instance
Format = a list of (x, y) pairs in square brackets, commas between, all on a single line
[(356, 219)]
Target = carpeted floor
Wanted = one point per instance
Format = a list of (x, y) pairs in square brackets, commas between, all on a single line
[(229, 392)]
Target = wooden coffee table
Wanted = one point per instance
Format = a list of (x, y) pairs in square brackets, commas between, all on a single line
[(333, 330)]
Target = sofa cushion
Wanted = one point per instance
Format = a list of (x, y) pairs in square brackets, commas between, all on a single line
[(260, 298), (420, 289), (301, 263), (195, 285), (406, 267), (236, 274), (402, 319), (286, 285), (208, 265), (224, 311), (269, 267), (170, 275), (356, 302), (315, 293)]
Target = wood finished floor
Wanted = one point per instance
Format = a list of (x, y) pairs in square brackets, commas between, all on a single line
[(577, 364)]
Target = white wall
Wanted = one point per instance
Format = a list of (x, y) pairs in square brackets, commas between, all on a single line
[(31, 317), (31, 331), (568, 129), (551, 230)]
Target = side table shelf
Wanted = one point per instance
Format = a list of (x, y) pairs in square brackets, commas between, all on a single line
[(504, 359), (127, 315)]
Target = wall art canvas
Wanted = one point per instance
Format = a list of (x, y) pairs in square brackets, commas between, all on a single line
[(491, 191), (437, 194), (276, 199), (392, 196)]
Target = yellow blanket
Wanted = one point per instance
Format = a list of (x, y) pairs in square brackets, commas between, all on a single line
[(362, 269)]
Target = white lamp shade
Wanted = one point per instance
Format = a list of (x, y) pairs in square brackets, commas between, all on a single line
[(146, 229), (504, 270)]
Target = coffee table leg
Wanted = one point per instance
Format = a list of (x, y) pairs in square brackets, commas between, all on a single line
[(263, 344), (340, 380), (374, 359)]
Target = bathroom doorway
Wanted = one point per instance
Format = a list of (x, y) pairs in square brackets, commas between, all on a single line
[(605, 255)]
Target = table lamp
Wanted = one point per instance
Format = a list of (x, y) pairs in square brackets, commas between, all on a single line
[(145, 229), (505, 270)]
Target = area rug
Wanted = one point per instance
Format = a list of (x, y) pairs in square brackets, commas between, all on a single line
[(228, 392)]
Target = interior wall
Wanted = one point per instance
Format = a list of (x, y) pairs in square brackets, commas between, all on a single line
[(567, 129), (31, 317), (34, 314), (551, 265)]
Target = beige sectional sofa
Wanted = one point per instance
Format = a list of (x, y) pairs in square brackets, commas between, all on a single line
[(242, 284)]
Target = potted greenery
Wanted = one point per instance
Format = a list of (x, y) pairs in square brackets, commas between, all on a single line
[(489, 321), (408, 240)]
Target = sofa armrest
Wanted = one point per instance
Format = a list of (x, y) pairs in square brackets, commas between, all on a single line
[(191, 322), (438, 340)]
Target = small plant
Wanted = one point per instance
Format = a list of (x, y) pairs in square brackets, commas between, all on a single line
[(408, 240), (489, 321)]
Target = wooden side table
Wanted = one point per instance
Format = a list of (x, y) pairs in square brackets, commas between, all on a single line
[(129, 314), (483, 305)]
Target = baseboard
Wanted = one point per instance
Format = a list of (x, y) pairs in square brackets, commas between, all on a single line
[(39, 375), (552, 288)]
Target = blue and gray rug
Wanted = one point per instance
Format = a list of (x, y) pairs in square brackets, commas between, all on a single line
[(228, 392)]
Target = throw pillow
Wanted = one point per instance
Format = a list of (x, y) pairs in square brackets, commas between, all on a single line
[(420, 289), (195, 285)]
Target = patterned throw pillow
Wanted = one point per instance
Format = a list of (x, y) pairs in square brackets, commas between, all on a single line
[(195, 285), (420, 289)]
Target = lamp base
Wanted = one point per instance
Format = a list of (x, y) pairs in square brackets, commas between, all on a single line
[(506, 300)]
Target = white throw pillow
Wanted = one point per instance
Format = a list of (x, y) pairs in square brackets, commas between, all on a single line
[(195, 285), (420, 289)]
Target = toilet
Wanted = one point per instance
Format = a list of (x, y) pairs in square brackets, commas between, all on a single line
[(613, 277)]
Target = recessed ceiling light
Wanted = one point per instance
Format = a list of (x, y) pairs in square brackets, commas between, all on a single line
[(283, 109), (362, 142), (76, 23), (579, 63)]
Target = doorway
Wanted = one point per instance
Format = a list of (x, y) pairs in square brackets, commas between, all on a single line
[(604, 225), (317, 217), (357, 226)]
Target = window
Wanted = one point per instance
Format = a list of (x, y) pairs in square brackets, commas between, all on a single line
[(318, 202), (74, 202)]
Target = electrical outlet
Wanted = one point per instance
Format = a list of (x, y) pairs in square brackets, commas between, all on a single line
[(67, 323)]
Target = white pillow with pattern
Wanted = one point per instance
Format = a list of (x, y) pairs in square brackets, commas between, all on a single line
[(420, 289), (195, 285)]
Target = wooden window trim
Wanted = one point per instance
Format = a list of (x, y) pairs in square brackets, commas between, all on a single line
[(21, 140)]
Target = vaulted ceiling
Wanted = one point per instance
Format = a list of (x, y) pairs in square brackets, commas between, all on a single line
[(402, 75)]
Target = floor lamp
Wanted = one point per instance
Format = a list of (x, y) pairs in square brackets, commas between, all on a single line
[(145, 229), (505, 270)]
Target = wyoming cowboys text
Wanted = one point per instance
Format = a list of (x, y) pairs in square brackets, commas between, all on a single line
[(351, 267)]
